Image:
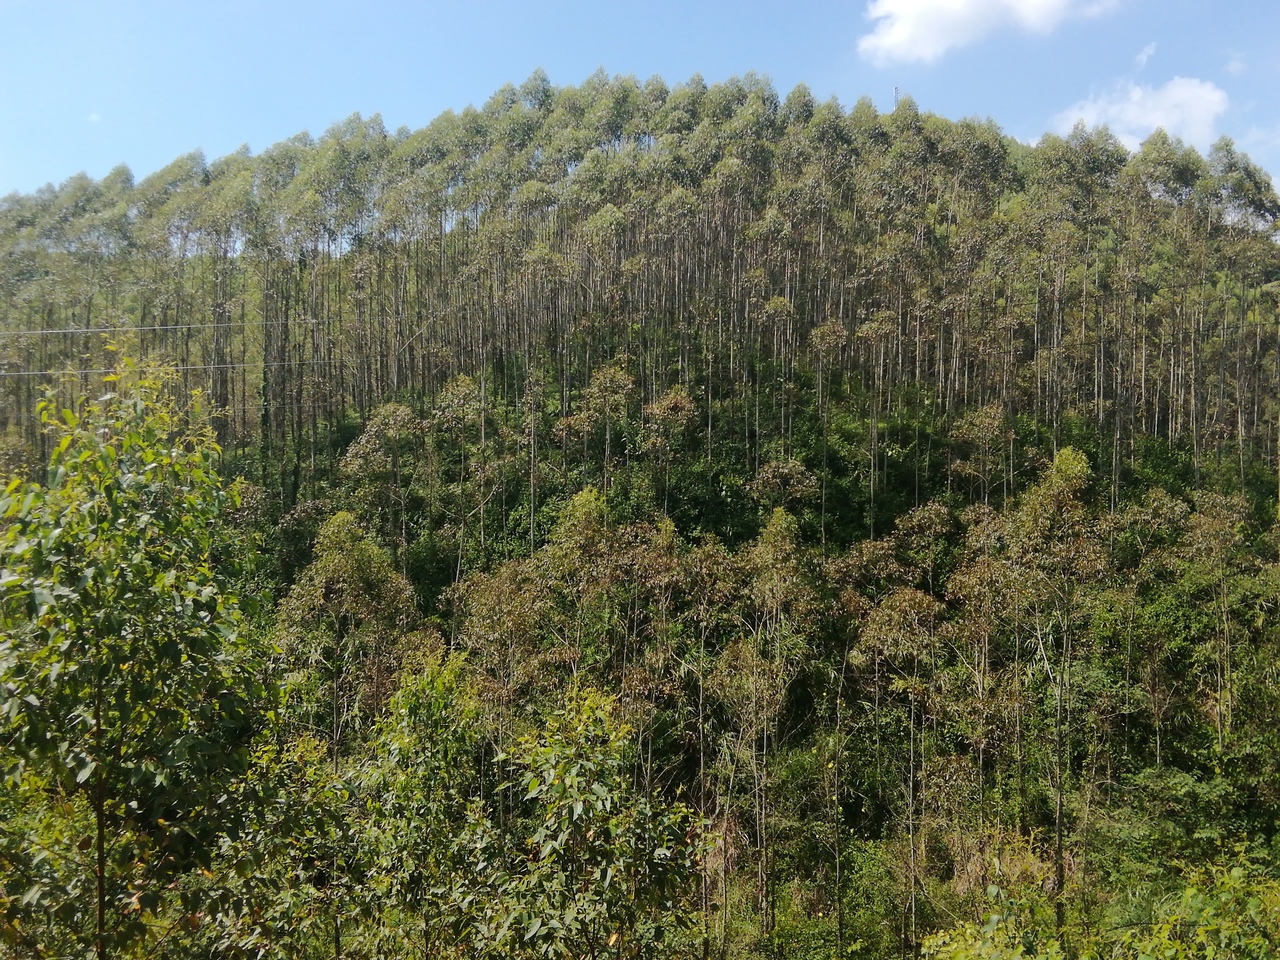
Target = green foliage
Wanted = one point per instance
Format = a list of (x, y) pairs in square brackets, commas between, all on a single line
[(996, 939), (128, 699), (1223, 912), (415, 796), (595, 868), (343, 627), (297, 868)]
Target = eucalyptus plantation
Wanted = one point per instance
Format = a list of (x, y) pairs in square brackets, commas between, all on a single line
[(671, 521)]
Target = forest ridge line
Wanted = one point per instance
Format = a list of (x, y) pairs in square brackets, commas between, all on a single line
[(703, 233)]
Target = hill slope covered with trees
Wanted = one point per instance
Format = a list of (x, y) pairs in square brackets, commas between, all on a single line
[(907, 490)]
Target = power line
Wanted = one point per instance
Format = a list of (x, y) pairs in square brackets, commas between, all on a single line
[(350, 367), (148, 329), (172, 327), (314, 361)]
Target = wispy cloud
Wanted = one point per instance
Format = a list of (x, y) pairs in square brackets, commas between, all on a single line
[(1145, 54), (1184, 107), (924, 30), (95, 117), (1236, 65)]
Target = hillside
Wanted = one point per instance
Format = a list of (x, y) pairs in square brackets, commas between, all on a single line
[(866, 519)]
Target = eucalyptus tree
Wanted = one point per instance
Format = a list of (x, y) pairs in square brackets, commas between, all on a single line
[(1054, 549), (593, 869), (344, 626), (902, 630), (168, 205), (387, 473), (423, 775), (128, 695), (754, 674), (605, 413), (70, 277), (277, 255), (223, 220)]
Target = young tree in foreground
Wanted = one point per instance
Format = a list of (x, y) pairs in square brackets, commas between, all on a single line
[(595, 870), (126, 699)]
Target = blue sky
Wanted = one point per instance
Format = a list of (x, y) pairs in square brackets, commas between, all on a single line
[(85, 86)]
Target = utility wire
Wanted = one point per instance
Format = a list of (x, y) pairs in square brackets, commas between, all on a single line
[(171, 327), (160, 327), (314, 361)]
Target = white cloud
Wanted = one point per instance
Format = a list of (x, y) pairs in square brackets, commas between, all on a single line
[(1184, 107), (1145, 54), (1236, 65), (923, 30)]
